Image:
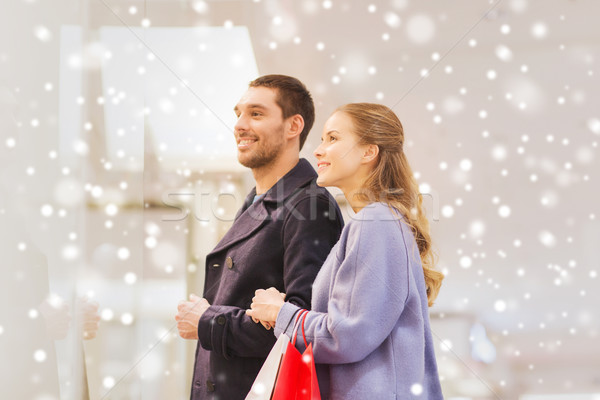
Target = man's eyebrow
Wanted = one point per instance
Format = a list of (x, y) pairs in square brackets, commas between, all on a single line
[(257, 105)]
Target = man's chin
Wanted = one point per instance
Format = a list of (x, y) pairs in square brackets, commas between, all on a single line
[(256, 159), (248, 162)]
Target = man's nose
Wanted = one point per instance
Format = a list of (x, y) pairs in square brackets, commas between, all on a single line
[(241, 125)]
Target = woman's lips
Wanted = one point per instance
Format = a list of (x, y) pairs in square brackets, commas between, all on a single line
[(322, 165)]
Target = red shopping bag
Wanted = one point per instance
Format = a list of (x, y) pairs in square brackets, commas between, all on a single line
[(263, 385), (297, 378), (308, 386)]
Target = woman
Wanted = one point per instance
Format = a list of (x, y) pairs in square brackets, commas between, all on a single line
[(369, 323)]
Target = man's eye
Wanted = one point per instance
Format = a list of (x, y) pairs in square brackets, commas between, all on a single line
[(256, 114), (332, 138)]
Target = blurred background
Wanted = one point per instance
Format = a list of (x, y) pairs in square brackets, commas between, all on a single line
[(119, 174)]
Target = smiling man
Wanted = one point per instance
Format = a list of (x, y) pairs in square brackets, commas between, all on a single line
[(280, 238)]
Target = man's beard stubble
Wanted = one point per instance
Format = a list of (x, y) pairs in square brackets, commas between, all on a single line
[(265, 154)]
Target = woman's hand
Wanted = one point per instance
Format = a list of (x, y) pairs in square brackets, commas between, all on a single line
[(265, 306)]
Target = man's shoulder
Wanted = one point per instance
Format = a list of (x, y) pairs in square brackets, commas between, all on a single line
[(313, 203), (310, 190)]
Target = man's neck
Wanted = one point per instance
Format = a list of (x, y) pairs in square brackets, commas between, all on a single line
[(267, 176)]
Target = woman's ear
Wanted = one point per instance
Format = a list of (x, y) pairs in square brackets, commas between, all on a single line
[(370, 153), (295, 127)]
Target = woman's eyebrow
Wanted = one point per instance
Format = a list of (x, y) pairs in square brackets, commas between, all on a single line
[(331, 131)]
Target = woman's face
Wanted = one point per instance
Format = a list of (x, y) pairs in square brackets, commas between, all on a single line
[(340, 156)]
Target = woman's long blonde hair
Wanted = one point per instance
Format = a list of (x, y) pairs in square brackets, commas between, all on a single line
[(392, 181)]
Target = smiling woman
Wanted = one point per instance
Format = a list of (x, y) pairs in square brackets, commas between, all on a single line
[(340, 156), (380, 273)]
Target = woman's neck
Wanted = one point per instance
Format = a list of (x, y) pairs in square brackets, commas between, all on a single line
[(357, 198)]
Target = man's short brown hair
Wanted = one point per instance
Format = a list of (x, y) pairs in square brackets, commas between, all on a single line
[(292, 97)]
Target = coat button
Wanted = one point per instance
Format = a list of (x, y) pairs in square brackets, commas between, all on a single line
[(221, 320), (210, 386), (229, 262)]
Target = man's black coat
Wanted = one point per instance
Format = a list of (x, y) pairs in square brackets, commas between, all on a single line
[(280, 241)]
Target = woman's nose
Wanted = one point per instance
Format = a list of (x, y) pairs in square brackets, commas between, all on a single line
[(318, 151)]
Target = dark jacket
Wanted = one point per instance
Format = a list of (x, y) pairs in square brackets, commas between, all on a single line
[(280, 240)]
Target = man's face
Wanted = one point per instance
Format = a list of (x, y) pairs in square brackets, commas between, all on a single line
[(259, 131)]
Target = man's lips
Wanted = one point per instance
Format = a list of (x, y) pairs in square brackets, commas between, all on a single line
[(244, 143)]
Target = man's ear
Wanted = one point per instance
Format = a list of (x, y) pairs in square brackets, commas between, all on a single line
[(295, 126), (370, 153)]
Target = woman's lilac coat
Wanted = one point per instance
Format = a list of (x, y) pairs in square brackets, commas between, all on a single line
[(369, 322)]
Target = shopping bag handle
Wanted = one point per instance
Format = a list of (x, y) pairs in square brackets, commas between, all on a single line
[(297, 325), (291, 319), (303, 335)]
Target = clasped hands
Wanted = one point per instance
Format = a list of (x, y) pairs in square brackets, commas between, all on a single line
[(264, 309), (265, 306)]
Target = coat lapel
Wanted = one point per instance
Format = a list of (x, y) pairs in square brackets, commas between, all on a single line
[(253, 216), (248, 222)]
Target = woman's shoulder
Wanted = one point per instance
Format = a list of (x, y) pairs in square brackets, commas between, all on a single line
[(375, 219), (378, 230), (379, 212)]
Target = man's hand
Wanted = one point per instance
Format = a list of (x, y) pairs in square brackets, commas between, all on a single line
[(188, 315)]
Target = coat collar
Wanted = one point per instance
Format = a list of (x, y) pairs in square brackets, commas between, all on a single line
[(297, 177), (252, 216)]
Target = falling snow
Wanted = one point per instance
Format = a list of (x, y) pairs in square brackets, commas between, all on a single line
[(501, 122)]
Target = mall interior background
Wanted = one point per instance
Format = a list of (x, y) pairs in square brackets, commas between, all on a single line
[(123, 165)]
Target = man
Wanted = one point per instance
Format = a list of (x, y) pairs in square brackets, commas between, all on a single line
[(279, 238)]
